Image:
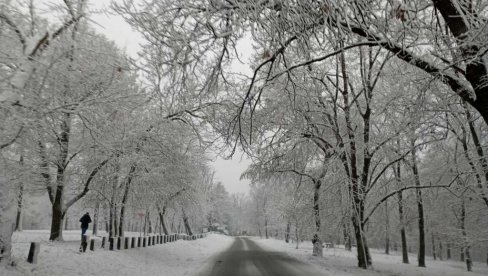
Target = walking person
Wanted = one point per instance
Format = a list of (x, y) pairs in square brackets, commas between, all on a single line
[(85, 220)]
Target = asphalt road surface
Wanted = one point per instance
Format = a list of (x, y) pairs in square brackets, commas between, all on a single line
[(245, 258)]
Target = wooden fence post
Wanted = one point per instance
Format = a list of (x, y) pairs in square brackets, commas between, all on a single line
[(33, 252)]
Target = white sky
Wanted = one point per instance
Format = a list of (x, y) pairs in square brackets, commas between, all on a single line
[(116, 29)]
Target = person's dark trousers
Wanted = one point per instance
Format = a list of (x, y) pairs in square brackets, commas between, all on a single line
[(83, 231)]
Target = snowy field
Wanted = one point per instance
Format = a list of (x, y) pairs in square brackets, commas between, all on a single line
[(62, 258), (339, 262)]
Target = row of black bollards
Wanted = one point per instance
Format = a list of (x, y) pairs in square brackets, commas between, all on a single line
[(128, 242)]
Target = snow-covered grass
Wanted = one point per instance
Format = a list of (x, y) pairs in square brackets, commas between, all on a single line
[(62, 258), (337, 261)]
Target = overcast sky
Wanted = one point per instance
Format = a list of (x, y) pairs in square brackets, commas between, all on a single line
[(116, 29)]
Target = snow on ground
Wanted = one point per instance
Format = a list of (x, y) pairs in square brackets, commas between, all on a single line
[(337, 261), (62, 258)]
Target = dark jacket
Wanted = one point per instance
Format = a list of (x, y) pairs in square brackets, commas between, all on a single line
[(85, 220)]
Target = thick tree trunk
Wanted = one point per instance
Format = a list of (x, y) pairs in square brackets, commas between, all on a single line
[(364, 258), (57, 222), (420, 208)]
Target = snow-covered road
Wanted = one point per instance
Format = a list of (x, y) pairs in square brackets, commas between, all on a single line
[(246, 258)]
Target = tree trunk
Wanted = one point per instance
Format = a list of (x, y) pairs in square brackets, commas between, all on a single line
[(7, 216), (66, 221), (440, 251), (465, 249), (57, 222), (162, 212), (95, 219), (187, 224), (111, 226), (347, 236), (433, 247), (297, 236), (317, 241), (18, 220), (448, 251), (125, 198), (266, 226), (403, 235), (420, 208), (287, 232), (387, 229)]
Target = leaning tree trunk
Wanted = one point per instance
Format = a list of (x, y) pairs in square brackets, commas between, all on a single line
[(187, 224), (161, 213), (420, 208), (125, 198)]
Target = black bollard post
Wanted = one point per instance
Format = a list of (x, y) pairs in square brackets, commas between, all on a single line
[(126, 244), (133, 244), (92, 245), (138, 241), (33, 252), (144, 242), (119, 243), (153, 240), (110, 243), (103, 242)]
